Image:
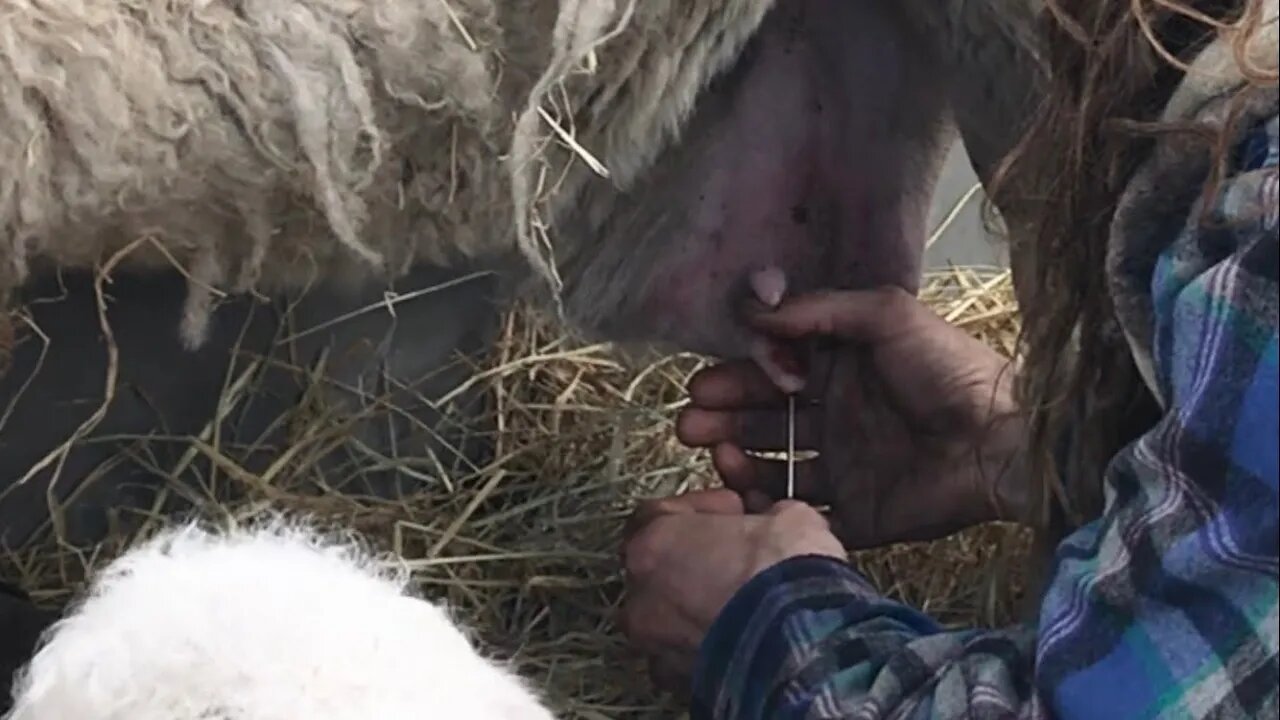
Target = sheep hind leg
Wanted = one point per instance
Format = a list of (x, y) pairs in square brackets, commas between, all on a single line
[(386, 366), (21, 624), (310, 389)]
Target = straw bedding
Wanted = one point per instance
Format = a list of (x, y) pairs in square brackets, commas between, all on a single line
[(525, 546)]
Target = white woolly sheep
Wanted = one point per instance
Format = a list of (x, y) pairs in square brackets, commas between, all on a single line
[(273, 623)]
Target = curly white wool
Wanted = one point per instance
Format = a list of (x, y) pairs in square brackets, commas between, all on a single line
[(269, 145), (275, 623)]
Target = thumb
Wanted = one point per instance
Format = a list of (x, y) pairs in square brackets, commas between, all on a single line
[(799, 516), (797, 509), (793, 529), (867, 316)]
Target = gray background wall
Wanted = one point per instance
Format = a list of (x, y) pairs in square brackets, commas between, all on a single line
[(966, 242)]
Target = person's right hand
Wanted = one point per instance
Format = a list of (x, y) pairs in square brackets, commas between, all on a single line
[(912, 418)]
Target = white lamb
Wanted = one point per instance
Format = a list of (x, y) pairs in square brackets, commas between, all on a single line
[(273, 623)]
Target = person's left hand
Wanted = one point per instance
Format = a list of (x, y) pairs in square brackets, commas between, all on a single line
[(685, 557)]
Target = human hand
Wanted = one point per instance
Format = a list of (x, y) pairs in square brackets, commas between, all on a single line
[(686, 557), (913, 419)]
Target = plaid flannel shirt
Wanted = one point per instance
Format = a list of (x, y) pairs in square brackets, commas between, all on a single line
[(1166, 606)]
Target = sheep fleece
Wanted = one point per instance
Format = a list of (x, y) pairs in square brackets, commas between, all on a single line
[(267, 144), (271, 623)]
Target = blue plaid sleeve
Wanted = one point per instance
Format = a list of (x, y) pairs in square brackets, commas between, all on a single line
[(1167, 605), (1164, 607), (809, 638)]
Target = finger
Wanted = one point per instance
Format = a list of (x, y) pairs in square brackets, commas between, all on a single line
[(757, 501), (780, 362), (805, 530), (734, 385), (761, 430), (653, 626), (804, 510), (745, 474), (646, 512), (672, 672), (859, 315), (717, 501)]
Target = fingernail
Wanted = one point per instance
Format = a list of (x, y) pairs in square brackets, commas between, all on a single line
[(785, 360), (779, 364)]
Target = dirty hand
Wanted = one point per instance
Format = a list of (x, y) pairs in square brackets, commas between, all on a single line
[(686, 556), (912, 418)]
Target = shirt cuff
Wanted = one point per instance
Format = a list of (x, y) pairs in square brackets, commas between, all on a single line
[(747, 647)]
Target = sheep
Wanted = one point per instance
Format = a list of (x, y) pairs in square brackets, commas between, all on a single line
[(263, 146), (276, 621), (643, 160), (269, 144)]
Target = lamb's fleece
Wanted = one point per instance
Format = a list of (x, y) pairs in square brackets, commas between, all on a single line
[(265, 144), (273, 623)]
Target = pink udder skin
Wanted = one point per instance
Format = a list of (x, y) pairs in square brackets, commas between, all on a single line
[(810, 174), (755, 205)]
